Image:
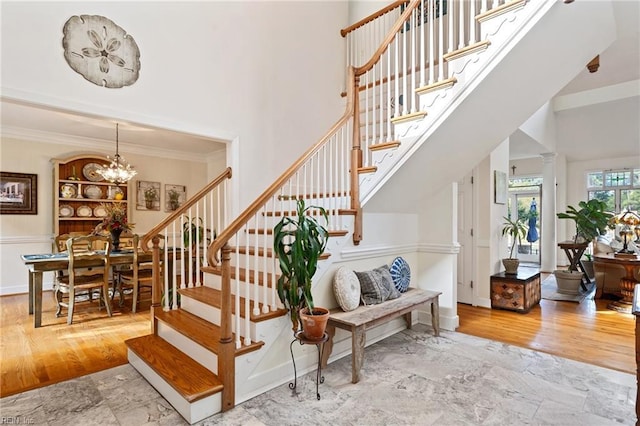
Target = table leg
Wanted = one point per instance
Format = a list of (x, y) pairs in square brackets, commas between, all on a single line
[(435, 316), (37, 299), (328, 348), (358, 339), (31, 292), (627, 284)]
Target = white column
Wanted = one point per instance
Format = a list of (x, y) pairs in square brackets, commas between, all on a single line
[(548, 238)]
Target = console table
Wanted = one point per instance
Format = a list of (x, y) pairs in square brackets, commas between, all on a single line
[(516, 292)]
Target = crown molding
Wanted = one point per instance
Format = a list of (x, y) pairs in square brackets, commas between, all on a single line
[(99, 144)]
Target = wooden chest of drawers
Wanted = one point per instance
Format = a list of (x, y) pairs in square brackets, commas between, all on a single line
[(519, 292)]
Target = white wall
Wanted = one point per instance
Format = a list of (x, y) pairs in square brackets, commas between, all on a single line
[(227, 70), (231, 70), (30, 234)]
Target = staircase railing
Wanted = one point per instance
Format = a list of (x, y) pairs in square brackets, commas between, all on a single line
[(186, 234), (409, 59)]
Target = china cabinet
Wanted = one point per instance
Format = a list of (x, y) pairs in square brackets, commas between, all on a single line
[(80, 193)]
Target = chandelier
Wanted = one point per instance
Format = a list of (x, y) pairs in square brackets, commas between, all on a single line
[(119, 171)]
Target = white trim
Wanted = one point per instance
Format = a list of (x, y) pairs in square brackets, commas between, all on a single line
[(453, 248), (27, 239), (615, 92), (353, 253)]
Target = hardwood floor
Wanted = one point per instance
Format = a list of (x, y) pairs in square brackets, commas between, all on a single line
[(32, 358), (35, 357)]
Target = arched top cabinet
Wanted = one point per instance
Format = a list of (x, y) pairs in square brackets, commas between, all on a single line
[(80, 193)]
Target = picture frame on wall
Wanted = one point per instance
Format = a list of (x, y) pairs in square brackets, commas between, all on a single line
[(148, 195), (500, 187), (174, 196), (18, 193)]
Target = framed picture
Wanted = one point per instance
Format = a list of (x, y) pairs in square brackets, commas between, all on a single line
[(499, 187), (147, 195), (174, 196), (19, 193)]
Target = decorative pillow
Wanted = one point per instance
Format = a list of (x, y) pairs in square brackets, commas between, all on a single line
[(384, 275), (400, 273), (346, 289), (372, 288)]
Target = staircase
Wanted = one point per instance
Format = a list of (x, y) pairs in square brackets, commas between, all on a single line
[(219, 333)]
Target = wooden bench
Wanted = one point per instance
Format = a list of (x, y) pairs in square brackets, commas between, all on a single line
[(365, 317)]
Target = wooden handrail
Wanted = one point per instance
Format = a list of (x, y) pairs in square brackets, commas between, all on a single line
[(393, 32), (371, 17), (158, 229), (235, 226)]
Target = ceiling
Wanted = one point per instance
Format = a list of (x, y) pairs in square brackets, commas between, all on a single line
[(620, 63), (45, 124)]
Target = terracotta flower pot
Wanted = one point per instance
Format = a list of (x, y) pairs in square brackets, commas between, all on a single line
[(314, 326)]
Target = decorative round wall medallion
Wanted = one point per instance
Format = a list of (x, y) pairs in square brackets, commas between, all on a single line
[(102, 52)]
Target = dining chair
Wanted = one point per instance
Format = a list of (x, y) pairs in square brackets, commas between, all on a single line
[(80, 277), (138, 278), (60, 246)]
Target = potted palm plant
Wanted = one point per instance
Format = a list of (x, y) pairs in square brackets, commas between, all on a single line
[(517, 230), (298, 243), (591, 220)]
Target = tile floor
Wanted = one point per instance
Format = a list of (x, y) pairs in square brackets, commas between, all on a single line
[(410, 378)]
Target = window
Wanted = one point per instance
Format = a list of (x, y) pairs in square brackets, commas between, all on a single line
[(619, 189)]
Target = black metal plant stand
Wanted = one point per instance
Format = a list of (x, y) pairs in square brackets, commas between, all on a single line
[(299, 337)]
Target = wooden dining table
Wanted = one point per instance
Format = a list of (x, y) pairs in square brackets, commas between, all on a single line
[(627, 282), (48, 262)]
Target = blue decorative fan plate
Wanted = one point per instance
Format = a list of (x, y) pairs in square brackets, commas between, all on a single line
[(401, 274)]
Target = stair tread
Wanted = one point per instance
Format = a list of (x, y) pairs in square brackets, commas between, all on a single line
[(313, 212), (384, 145), (370, 169), (212, 297), (199, 330), (314, 195), (190, 379)]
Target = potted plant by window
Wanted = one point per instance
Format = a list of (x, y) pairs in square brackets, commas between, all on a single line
[(591, 220), (298, 243), (517, 230), (150, 197)]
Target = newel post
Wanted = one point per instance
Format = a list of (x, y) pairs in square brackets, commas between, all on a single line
[(356, 163), (156, 288), (226, 356)]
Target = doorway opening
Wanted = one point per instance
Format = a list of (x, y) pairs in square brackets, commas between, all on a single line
[(525, 196)]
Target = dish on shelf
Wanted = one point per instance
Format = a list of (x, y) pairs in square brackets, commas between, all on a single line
[(99, 211), (65, 210), (68, 190), (84, 211), (115, 193), (92, 191), (90, 171)]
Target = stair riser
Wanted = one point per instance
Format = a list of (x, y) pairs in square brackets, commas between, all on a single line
[(212, 314), (214, 281), (203, 356), (192, 412)]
